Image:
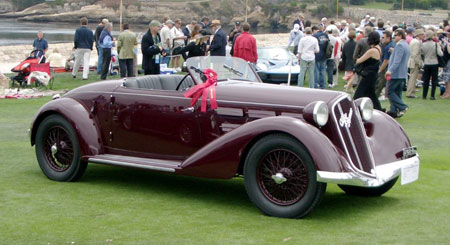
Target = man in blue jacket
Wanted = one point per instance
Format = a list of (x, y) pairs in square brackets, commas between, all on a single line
[(397, 74), (83, 41), (219, 42), (106, 42), (321, 59)]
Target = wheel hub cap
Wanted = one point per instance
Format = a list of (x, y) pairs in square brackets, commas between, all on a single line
[(54, 149), (279, 178)]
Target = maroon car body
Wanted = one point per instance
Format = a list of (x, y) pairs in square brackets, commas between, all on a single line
[(147, 123)]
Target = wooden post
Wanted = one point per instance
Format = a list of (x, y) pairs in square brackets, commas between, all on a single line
[(246, 10), (337, 9), (120, 24)]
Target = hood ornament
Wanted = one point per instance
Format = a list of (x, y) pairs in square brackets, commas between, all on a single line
[(346, 120)]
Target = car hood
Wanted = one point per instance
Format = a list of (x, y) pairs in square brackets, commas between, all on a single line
[(270, 94)]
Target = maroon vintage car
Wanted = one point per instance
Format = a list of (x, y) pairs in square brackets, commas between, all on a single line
[(286, 142)]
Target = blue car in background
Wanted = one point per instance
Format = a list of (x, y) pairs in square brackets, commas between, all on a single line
[(275, 63)]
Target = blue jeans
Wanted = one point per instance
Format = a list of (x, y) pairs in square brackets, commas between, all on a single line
[(100, 60), (166, 59), (319, 74), (395, 88), (306, 66)]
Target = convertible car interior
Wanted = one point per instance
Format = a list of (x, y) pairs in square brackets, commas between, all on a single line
[(160, 82)]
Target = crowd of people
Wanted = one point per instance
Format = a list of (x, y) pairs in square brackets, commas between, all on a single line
[(376, 56)]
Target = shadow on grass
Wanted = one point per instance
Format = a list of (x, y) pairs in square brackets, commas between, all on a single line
[(338, 205), (223, 193)]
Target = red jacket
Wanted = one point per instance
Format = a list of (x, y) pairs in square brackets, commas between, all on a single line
[(245, 47)]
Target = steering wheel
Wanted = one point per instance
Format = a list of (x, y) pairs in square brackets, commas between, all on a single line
[(182, 80)]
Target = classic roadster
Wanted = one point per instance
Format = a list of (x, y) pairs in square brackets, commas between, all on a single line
[(286, 142)]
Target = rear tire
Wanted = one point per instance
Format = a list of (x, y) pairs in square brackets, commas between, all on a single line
[(58, 151), (280, 177), (368, 191)]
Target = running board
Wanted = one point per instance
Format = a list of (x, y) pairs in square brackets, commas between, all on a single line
[(136, 162)]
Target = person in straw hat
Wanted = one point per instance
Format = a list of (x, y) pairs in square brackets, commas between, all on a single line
[(415, 62), (219, 41)]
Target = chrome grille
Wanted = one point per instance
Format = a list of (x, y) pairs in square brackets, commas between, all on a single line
[(350, 130)]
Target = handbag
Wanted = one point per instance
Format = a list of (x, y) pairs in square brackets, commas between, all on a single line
[(358, 68), (441, 62)]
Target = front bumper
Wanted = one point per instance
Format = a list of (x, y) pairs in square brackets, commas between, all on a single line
[(407, 168)]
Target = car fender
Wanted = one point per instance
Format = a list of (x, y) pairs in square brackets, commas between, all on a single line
[(221, 157), (386, 138), (85, 127)]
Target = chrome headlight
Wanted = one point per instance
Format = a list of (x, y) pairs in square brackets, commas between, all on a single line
[(317, 113), (365, 106)]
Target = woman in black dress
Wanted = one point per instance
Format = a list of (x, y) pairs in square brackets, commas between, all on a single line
[(370, 62)]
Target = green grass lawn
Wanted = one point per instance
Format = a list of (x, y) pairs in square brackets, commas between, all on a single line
[(112, 205)]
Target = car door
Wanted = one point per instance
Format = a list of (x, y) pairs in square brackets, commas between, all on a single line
[(153, 123)]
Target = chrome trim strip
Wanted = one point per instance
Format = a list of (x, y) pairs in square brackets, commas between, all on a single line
[(132, 165), (260, 113), (351, 138), (383, 174), (226, 111), (366, 140)]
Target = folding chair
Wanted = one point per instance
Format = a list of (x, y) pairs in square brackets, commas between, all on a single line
[(43, 67)]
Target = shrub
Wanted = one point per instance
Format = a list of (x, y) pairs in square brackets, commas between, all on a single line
[(205, 4)]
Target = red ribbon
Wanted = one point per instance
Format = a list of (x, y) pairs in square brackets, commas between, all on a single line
[(208, 88)]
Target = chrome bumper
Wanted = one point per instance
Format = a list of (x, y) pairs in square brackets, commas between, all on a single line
[(383, 173)]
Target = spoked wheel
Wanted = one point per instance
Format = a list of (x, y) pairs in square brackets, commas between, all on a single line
[(274, 171), (280, 177), (57, 150)]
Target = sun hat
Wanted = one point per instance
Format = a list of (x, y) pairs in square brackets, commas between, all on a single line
[(419, 32), (170, 22), (154, 23), (104, 21), (215, 23)]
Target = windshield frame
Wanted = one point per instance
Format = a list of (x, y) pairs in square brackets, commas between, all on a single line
[(217, 64)]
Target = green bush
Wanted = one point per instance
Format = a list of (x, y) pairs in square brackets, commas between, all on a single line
[(327, 10), (205, 4), (23, 4), (303, 6)]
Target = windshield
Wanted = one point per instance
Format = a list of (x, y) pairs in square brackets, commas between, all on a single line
[(273, 53), (225, 67)]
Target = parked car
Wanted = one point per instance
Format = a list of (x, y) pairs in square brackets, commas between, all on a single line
[(286, 142), (275, 63)]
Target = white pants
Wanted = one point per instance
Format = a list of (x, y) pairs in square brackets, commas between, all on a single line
[(82, 53)]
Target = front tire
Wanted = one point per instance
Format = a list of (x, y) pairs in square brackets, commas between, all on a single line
[(58, 151), (280, 177), (368, 191)]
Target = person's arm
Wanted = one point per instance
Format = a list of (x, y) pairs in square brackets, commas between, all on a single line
[(300, 49), (216, 44), (439, 49), (75, 40), (107, 41), (148, 48), (119, 44), (46, 47), (366, 56), (316, 48), (255, 52), (236, 48), (384, 65), (291, 39), (356, 52)]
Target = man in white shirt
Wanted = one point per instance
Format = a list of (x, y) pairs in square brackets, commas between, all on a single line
[(166, 40), (365, 21), (307, 48)]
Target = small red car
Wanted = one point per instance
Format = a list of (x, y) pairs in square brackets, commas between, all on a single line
[(286, 142)]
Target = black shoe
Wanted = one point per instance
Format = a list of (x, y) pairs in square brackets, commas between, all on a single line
[(392, 114), (74, 76), (411, 96), (432, 98), (84, 79), (424, 98)]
